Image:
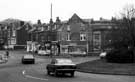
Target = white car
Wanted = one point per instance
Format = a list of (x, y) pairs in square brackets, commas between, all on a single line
[(43, 52), (103, 55)]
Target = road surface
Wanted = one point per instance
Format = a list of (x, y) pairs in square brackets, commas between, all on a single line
[(14, 71)]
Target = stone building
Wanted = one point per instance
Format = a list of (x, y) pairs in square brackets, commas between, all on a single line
[(101, 33)]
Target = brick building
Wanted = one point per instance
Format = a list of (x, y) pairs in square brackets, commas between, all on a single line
[(75, 36), (17, 35), (3, 36)]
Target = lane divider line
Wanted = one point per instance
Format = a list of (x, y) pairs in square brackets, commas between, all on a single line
[(29, 76)]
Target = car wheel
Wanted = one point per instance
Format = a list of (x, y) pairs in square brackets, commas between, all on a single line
[(33, 62), (48, 72), (22, 62), (72, 74), (63, 74), (56, 73)]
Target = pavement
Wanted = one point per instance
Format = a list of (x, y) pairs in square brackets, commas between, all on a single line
[(3, 58), (2, 61)]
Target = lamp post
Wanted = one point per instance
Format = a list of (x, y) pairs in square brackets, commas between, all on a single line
[(68, 38), (87, 44)]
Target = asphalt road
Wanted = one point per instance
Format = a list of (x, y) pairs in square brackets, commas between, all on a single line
[(14, 71)]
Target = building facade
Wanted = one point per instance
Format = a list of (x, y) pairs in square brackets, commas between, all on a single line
[(75, 36), (101, 33), (3, 36), (15, 35)]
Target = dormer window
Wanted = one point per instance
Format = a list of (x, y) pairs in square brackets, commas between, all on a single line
[(42, 28), (55, 27), (48, 28)]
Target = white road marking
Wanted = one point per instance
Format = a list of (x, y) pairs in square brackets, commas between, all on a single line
[(23, 72), (29, 76), (35, 77)]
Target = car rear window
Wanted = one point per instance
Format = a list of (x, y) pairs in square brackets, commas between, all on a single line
[(28, 56), (64, 61)]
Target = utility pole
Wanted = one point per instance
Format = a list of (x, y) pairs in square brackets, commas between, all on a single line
[(51, 10), (51, 22)]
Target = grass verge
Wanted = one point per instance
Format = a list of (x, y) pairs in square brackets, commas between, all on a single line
[(102, 67)]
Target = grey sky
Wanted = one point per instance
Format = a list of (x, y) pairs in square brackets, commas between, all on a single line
[(32, 10)]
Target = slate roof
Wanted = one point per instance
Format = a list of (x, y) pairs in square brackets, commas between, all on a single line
[(75, 17)]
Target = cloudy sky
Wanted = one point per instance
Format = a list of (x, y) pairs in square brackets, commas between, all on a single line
[(32, 10)]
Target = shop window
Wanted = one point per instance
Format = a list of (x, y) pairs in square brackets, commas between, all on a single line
[(13, 41), (97, 38), (83, 37)]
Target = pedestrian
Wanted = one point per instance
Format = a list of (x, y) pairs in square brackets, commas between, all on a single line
[(7, 53)]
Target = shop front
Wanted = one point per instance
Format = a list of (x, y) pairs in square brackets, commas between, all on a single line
[(32, 46), (74, 48), (49, 48)]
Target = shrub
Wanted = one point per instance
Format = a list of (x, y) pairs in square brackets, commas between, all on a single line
[(120, 56)]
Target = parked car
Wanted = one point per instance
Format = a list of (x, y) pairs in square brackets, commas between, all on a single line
[(43, 52), (28, 59), (61, 66), (103, 55)]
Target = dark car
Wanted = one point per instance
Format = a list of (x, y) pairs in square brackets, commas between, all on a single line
[(61, 66), (28, 59)]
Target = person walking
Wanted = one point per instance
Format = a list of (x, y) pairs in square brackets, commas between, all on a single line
[(7, 53)]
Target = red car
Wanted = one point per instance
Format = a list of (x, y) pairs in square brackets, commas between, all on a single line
[(61, 66)]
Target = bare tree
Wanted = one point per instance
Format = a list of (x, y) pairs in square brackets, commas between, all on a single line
[(123, 37), (128, 26), (128, 12)]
